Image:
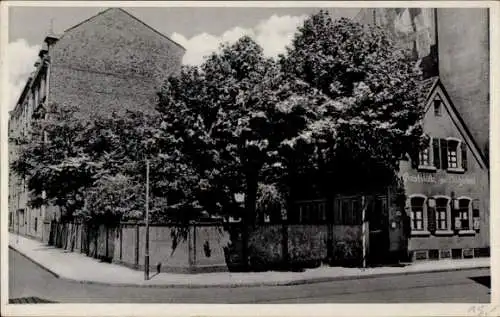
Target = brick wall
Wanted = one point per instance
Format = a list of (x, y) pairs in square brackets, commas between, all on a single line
[(111, 62)]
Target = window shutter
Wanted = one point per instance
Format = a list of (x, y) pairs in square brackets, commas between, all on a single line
[(454, 215), (431, 219), (437, 158), (464, 155), (444, 153)]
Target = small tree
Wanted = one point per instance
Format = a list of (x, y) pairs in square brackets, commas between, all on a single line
[(52, 158)]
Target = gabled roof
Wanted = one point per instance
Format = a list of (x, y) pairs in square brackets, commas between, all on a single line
[(130, 15), (438, 87), (428, 86)]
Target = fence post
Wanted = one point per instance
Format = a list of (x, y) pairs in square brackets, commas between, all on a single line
[(194, 244), (284, 244), (121, 241), (364, 228), (96, 239), (107, 240), (137, 246)]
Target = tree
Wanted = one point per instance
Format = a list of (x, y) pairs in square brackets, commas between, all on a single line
[(52, 159), (373, 107), (230, 116)]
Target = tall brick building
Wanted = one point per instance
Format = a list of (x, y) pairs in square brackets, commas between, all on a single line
[(109, 62)]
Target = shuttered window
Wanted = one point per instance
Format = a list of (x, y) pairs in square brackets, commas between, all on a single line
[(442, 214), (436, 154), (417, 213), (444, 153), (464, 155)]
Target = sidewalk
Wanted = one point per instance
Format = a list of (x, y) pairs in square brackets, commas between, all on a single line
[(78, 267)]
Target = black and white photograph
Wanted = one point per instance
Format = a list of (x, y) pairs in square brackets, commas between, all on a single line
[(247, 154)]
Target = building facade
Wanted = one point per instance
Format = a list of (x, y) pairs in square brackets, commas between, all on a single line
[(448, 189), (109, 62), (447, 209), (452, 43)]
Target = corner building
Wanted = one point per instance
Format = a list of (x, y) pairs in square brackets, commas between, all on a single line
[(109, 62), (447, 189)]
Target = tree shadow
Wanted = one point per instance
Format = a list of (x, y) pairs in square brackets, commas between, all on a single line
[(483, 280)]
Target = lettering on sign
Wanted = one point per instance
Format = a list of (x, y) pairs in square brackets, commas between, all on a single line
[(422, 178)]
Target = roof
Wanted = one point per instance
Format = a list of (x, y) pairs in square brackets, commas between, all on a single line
[(428, 86), (435, 84), (130, 15)]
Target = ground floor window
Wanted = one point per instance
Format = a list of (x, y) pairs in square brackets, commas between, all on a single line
[(417, 205), (442, 213), (465, 213)]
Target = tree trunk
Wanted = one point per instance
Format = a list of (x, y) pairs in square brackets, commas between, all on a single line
[(249, 216)]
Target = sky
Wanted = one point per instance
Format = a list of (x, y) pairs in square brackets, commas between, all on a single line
[(199, 29)]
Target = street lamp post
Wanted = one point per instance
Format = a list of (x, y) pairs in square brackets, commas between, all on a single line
[(146, 253)]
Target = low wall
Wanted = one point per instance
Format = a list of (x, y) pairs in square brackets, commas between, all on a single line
[(211, 247)]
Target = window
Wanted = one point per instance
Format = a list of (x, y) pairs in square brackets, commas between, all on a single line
[(417, 213), (453, 154), (424, 157), (347, 211), (437, 108), (464, 205), (447, 154), (442, 213), (312, 211), (322, 211)]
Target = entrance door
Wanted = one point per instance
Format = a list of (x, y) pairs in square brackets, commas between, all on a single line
[(377, 216)]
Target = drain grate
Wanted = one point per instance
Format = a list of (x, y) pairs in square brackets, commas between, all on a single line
[(29, 300)]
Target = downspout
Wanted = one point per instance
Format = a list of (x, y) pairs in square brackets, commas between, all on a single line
[(47, 89), (436, 35)]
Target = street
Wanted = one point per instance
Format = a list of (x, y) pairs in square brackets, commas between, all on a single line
[(30, 283)]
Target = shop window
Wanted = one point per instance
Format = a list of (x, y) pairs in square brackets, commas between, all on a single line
[(417, 209), (442, 208)]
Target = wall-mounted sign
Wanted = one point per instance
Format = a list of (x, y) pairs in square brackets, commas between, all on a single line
[(422, 178)]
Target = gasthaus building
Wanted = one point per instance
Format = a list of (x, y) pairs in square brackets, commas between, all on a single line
[(445, 213), (447, 190)]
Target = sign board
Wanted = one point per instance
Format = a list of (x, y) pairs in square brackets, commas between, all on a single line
[(423, 178)]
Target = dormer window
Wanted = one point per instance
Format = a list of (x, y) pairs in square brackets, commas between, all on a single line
[(437, 107)]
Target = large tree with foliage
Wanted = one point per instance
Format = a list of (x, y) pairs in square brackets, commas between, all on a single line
[(230, 117), (374, 103)]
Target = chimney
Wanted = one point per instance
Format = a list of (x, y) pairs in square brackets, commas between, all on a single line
[(50, 39)]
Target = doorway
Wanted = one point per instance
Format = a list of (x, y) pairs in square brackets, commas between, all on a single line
[(378, 226)]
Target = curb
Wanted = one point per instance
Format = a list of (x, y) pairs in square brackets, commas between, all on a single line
[(250, 284), (35, 262)]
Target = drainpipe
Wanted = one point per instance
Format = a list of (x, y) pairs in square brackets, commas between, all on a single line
[(49, 40)]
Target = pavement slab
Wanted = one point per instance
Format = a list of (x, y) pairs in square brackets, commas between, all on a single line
[(78, 267)]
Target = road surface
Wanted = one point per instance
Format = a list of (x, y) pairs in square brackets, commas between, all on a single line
[(30, 283)]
